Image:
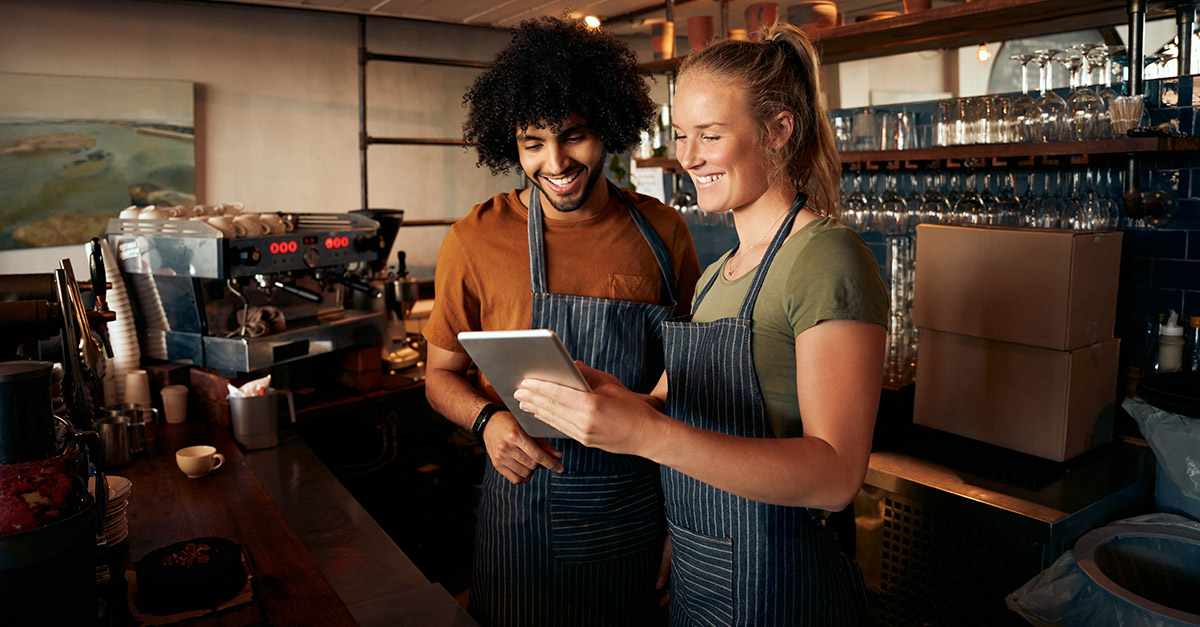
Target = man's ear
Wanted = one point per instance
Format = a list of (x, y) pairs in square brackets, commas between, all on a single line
[(781, 128)]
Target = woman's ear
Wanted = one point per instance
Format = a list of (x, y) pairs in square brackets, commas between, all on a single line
[(781, 127)]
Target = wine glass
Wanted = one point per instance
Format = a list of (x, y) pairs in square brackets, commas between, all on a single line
[(991, 204), (857, 205), (935, 209), (1077, 215), (969, 208), (889, 219), (1008, 207), (912, 203), (1051, 108), (1020, 122), (1086, 109)]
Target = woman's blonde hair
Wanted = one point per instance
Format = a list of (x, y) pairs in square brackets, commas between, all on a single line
[(780, 73)]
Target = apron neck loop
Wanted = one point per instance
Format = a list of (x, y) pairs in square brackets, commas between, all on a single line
[(537, 243)]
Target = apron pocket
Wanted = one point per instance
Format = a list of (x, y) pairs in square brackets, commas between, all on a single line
[(701, 577), (596, 518)]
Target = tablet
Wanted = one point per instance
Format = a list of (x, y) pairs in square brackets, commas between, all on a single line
[(507, 357)]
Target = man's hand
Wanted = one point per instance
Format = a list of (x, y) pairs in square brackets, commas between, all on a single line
[(514, 454)]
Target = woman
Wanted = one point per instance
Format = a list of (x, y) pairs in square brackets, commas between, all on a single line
[(773, 382)]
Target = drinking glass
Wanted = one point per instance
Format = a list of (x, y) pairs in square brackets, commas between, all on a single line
[(864, 133), (1078, 215)]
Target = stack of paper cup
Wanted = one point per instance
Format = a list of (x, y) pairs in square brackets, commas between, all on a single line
[(175, 401), (122, 334)]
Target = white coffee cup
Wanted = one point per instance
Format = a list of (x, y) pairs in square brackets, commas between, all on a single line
[(227, 226), (175, 403), (137, 387), (132, 212), (254, 227), (276, 223), (197, 461)]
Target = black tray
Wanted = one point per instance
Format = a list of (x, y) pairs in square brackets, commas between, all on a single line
[(1176, 392)]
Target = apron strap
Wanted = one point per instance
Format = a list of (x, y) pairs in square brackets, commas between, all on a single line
[(760, 275), (537, 244), (656, 245)]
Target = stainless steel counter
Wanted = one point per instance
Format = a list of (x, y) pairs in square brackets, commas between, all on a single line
[(376, 580)]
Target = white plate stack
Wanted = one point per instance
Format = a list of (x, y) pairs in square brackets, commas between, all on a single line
[(116, 525), (122, 333)]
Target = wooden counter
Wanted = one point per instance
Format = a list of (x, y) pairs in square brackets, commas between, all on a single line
[(166, 507)]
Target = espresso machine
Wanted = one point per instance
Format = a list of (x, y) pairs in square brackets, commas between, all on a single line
[(244, 304)]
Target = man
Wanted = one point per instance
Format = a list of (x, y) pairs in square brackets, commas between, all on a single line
[(567, 535)]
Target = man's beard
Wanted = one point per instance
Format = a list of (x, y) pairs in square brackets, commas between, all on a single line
[(567, 205)]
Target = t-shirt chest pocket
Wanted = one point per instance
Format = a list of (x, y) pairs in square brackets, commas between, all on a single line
[(635, 288)]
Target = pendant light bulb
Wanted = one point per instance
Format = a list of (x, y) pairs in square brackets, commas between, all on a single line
[(983, 54), (592, 21)]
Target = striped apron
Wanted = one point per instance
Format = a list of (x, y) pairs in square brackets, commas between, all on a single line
[(581, 547), (736, 561)]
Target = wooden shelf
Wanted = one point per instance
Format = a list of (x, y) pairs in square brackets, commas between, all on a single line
[(964, 24), (991, 154)]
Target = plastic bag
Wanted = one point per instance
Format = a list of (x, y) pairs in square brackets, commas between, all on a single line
[(1064, 595), (1175, 440)]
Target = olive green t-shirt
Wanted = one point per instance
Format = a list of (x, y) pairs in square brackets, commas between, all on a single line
[(823, 272)]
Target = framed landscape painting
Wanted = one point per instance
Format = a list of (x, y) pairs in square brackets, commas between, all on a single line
[(75, 151)]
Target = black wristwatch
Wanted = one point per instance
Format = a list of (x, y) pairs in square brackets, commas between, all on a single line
[(485, 416)]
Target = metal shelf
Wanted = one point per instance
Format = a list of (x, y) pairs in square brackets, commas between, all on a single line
[(999, 155)]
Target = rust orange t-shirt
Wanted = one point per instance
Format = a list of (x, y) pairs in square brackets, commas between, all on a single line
[(482, 278)]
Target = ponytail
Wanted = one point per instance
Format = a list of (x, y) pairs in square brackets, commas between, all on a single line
[(781, 74)]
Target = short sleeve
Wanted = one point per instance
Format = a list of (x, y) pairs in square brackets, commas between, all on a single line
[(457, 306), (835, 277)]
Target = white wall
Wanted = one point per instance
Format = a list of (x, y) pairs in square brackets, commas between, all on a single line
[(277, 103)]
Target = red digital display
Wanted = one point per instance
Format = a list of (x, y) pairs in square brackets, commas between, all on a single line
[(278, 248), (337, 242)]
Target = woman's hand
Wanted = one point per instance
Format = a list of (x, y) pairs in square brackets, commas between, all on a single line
[(610, 417)]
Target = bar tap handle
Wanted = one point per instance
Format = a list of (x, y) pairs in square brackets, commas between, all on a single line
[(99, 281)]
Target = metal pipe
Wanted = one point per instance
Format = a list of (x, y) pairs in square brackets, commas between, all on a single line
[(1137, 40), (671, 13), (724, 32), (1185, 18), (362, 106)]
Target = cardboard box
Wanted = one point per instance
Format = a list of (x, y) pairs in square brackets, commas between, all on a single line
[(1053, 404), (1050, 288)]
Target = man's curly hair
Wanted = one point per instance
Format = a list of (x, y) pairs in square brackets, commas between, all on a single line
[(554, 67)]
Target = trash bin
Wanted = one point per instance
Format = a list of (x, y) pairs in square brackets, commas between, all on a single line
[(1167, 412), (1138, 572)]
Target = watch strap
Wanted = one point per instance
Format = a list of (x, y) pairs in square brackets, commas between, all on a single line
[(485, 416)]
